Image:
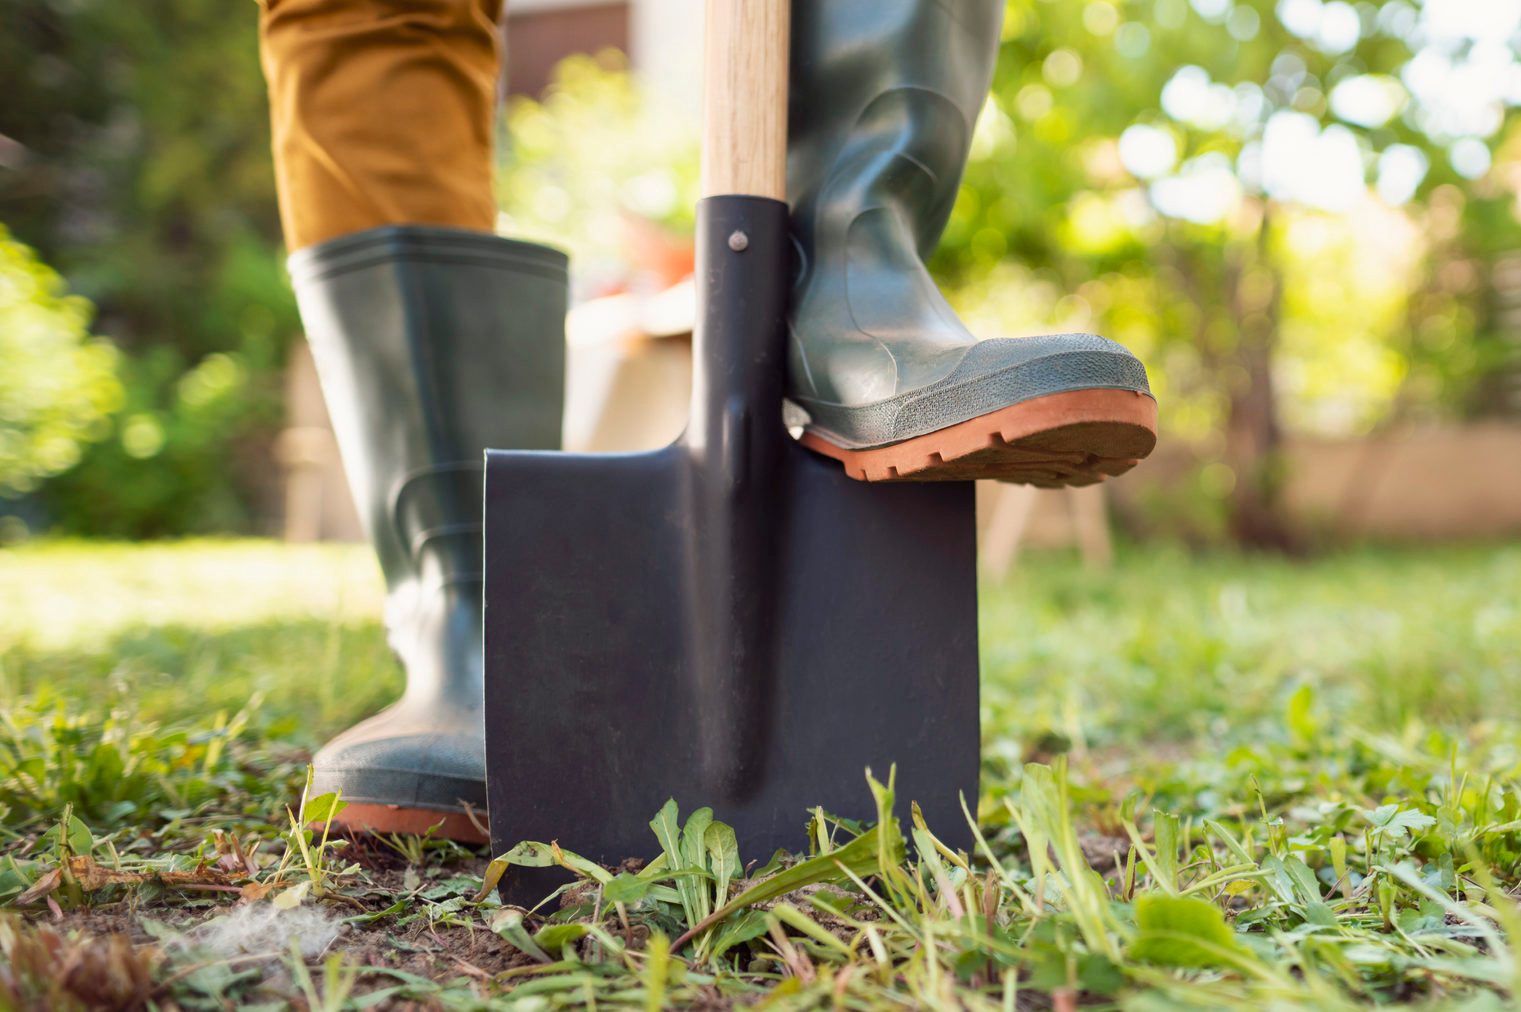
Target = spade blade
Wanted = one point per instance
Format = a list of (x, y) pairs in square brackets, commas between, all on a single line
[(729, 621)]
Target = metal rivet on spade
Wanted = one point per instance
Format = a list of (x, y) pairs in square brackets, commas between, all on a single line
[(738, 241)]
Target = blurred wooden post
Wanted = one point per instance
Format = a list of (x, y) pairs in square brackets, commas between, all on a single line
[(1008, 521), (1006, 528), (318, 506), (301, 451), (1090, 523)]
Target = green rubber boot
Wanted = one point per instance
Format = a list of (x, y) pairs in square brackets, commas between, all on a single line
[(883, 99), (432, 344)]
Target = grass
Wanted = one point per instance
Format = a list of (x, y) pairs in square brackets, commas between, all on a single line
[(1208, 782)]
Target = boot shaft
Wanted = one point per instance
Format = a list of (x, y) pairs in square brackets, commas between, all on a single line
[(884, 97), (432, 345)]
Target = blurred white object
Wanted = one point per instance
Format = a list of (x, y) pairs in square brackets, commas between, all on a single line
[(628, 370)]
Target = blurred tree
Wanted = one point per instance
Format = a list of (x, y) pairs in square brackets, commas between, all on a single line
[(1300, 212), (594, 160), (1253, 194), (1154, 161), (57, 384), (1465, 319), (134, 155)]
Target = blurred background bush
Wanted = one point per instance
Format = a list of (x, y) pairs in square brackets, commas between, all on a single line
[(1302, 214), (135, 160), (58, 385)]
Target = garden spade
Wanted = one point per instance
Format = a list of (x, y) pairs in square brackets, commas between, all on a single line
[(731, 620)]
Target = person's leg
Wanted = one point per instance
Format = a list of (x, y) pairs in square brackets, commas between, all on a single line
[(883, 99), (434, 340), (381, 113)]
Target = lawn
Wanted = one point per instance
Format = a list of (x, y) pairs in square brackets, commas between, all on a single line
[(1216, 781)]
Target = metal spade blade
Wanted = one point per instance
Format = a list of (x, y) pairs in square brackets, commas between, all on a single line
[(730, 621)]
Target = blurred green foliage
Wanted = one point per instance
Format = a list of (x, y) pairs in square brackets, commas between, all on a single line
[(136, 161), (1198, 179), (57, 383), (592, 157), (1178, 174), (1301, 213)]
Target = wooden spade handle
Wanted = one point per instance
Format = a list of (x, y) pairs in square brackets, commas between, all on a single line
[(744, 147)]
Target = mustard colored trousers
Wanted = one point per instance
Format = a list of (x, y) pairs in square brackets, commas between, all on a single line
[(381, 113)]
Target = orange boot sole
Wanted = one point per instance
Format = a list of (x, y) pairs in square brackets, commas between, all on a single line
[(1079, 437), (377, 818)]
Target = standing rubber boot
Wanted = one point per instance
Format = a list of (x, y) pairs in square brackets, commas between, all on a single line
[(883, 99), (432, 344)]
